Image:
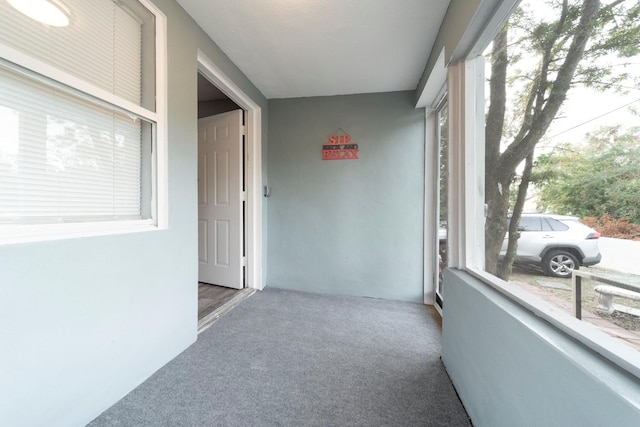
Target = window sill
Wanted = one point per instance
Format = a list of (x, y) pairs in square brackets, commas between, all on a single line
[(15, 234), (601, 343)]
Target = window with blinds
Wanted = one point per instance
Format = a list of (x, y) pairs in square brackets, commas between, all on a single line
[(78, 115)]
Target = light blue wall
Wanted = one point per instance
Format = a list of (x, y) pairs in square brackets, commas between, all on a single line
[(511, 368), (84, 321), (350, 226)]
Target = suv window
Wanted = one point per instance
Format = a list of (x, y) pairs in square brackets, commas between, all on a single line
[(555, 225), (529, 224)]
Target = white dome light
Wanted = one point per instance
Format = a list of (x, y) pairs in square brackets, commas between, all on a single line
[(49, 12)]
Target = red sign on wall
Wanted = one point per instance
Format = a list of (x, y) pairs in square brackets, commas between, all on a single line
[(340, 147)]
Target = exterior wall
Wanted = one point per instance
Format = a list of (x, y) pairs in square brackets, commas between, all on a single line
[(511, 368), (349, 227), (84, 321)]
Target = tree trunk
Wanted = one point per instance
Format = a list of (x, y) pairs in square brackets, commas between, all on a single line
[(495, 187), (496, 223), (504, 268), (541, 110)]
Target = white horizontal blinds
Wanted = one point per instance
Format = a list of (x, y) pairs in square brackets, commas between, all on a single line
[(102, 44), (63, 158), (127, 58)]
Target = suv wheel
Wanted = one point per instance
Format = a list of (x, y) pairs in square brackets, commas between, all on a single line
[(558, 263)]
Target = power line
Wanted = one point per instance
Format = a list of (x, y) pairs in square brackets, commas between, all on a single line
[(595, 118)]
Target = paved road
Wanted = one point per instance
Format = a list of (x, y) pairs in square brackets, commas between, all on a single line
[(620, 255)]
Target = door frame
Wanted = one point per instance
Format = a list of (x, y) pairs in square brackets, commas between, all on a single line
[(252, 163)]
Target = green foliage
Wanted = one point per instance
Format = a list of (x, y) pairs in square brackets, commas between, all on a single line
[(618, 31), (600, 176)]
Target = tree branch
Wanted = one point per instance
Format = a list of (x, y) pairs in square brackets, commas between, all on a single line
[(515, 153)]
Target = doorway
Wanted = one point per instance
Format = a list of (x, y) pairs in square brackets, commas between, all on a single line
[(221, 212), (218, 96), (221, 190)]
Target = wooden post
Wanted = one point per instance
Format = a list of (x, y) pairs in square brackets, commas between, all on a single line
[(577, 295)]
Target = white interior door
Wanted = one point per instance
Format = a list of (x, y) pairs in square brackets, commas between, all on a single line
[(220, 217)]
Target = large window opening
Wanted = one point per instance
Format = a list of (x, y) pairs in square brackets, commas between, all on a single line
[(562, 160)]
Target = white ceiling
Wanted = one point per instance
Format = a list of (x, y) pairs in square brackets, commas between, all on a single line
[(296, 48)]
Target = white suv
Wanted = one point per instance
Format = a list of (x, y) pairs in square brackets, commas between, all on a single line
[(559, 244)]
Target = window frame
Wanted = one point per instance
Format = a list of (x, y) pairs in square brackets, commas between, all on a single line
[(431, 191), (23, 233)]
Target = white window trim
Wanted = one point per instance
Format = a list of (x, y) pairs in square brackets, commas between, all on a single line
[(161, 192), (74, 82), (18, 233), (457, 172), (253, 163), (430, 97), (466, 213)]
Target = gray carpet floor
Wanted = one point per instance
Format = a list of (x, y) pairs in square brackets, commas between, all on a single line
[(285, 358)]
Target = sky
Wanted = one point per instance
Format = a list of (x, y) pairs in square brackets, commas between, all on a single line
[(586, 110)]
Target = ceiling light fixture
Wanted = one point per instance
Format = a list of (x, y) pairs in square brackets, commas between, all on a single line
[(49, 12)]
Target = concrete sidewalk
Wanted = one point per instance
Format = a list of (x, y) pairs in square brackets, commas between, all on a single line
[(620, 255)]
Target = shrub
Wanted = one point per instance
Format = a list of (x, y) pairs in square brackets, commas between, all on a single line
[(608, 226)]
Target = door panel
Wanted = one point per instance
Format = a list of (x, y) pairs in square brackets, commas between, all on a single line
[(220, 217), (202, 179), (222, 243), (203, 251), (222, 178)]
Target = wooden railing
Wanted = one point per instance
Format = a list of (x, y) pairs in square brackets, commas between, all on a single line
[(576, 281)]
